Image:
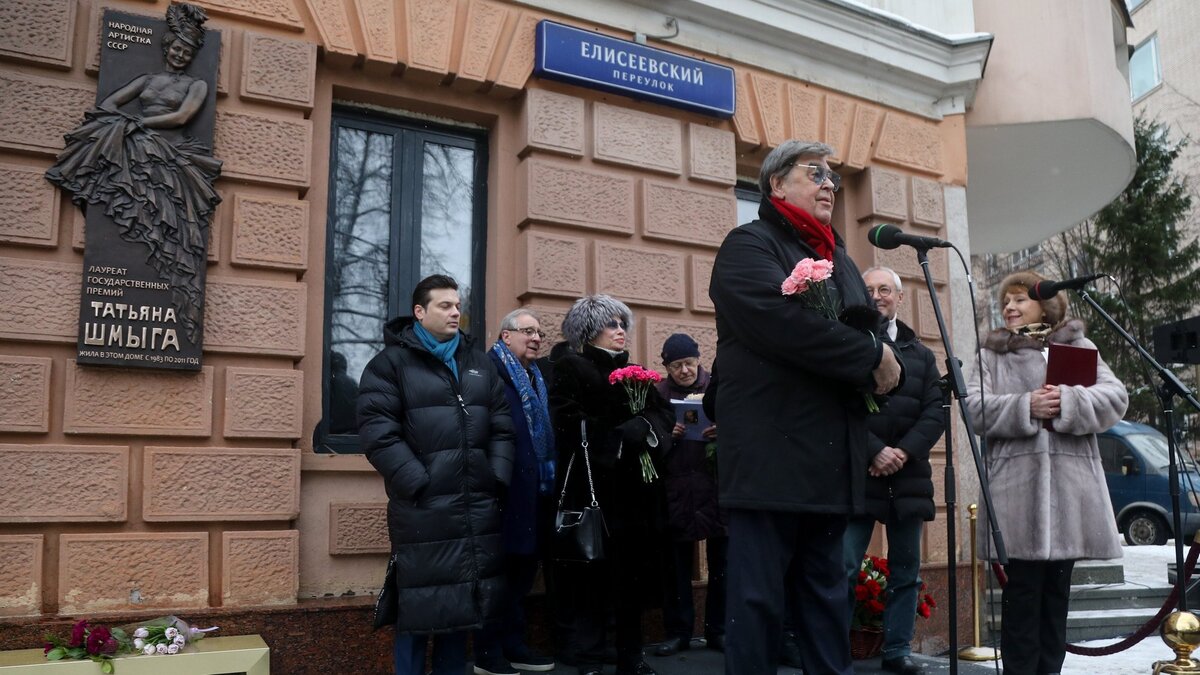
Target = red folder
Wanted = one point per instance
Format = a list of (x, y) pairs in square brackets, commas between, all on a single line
[(1070, 366)]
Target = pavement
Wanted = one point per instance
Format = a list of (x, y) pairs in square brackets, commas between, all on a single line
[(1144, 565), (708, 662)]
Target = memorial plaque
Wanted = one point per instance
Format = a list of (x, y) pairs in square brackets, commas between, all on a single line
[(141, 167)]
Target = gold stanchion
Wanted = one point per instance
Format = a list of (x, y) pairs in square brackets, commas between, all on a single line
[(1181, 632), (977, 652)]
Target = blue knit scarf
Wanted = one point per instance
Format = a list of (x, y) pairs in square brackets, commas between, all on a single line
[(532, 392), (442, 350)]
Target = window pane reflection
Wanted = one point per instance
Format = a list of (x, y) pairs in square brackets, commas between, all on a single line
[(447, 212), (358, 277), (1144, 74), (747, 210)]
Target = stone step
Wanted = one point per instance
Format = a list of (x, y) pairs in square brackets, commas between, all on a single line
[(1098, 572), (1095, 597), (1102, 604), (1171, 576), (1100, 624)]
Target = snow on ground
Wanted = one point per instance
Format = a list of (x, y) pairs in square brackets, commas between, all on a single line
[(1146, 565)]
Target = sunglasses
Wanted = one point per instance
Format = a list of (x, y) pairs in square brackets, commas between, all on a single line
[(615, 324), (817, 174)]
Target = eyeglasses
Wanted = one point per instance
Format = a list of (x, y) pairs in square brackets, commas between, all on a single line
[(818, 174), (882, 291), (530, 331), (677, 366), (615, 324)]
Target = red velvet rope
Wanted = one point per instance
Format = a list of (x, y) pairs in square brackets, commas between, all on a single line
[(1147, 628)]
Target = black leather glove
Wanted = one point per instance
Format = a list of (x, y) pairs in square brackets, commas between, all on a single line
[(634, 432)]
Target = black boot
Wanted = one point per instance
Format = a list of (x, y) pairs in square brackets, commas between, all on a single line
[(672, 646), (641, 668), (904, 665), (789, 654)]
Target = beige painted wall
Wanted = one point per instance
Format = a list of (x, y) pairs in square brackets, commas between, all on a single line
[(1175, 102), (1035, 73)]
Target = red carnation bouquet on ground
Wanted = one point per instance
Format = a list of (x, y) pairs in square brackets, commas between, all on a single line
[(807, 281), (870, 598), (637, 382)]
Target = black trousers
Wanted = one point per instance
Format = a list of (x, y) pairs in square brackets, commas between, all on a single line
[(762, 546), (1033, 616), (613, 587), (679, 609), (505, 635)]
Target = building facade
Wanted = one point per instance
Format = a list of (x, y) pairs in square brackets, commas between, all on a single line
[(369, 143)]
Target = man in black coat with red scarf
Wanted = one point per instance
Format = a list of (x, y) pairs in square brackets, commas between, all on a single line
[(793, 456)]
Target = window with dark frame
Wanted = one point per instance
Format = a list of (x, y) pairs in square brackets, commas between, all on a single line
[(1111, 451), (748, 198), (406, 199)]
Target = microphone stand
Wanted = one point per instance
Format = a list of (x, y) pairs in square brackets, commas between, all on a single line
[(1170, 388), (953, 383)]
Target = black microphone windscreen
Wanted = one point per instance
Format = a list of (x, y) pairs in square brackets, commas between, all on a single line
[(1043, 290), (884, 236)]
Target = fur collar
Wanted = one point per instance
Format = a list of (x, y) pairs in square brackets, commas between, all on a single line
[(1003, 340)]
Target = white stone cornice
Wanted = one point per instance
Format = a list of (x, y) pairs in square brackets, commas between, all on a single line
[(837, 44)]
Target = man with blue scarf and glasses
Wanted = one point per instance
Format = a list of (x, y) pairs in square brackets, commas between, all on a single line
[(434, 422), (528, 506)]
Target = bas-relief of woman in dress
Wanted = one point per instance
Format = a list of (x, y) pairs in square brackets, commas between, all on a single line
[(152, 181)]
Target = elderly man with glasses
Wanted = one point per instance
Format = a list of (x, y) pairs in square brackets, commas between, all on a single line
[(793, 450), (500, 647), (900, 479)]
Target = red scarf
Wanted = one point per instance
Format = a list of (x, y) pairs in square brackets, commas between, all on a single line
[(815, 233)]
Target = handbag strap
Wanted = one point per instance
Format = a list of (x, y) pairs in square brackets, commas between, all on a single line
[(583, 445)]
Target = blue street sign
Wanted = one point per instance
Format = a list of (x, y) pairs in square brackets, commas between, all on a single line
[(597, 61)]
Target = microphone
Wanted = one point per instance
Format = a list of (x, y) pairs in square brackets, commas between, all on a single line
[(1044, 290), (890, 236)]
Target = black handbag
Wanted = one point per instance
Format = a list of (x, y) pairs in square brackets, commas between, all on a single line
[(579, 535), (386, 609)]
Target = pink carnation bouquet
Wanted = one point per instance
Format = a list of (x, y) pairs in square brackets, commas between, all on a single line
[(807, 281), (637, 382)]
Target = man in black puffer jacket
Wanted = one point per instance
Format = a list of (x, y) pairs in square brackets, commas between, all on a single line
[(435, 424), (900, 482)]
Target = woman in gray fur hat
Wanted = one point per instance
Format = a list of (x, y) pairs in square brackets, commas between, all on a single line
[(1048, 487), (596, 328)]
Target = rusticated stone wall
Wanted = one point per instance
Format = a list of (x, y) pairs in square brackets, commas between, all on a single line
[(201, 489), (613, 199), (125, 489), (918, 205)]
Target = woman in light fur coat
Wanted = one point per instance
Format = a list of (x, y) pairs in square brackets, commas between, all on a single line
[(1047, 487)]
